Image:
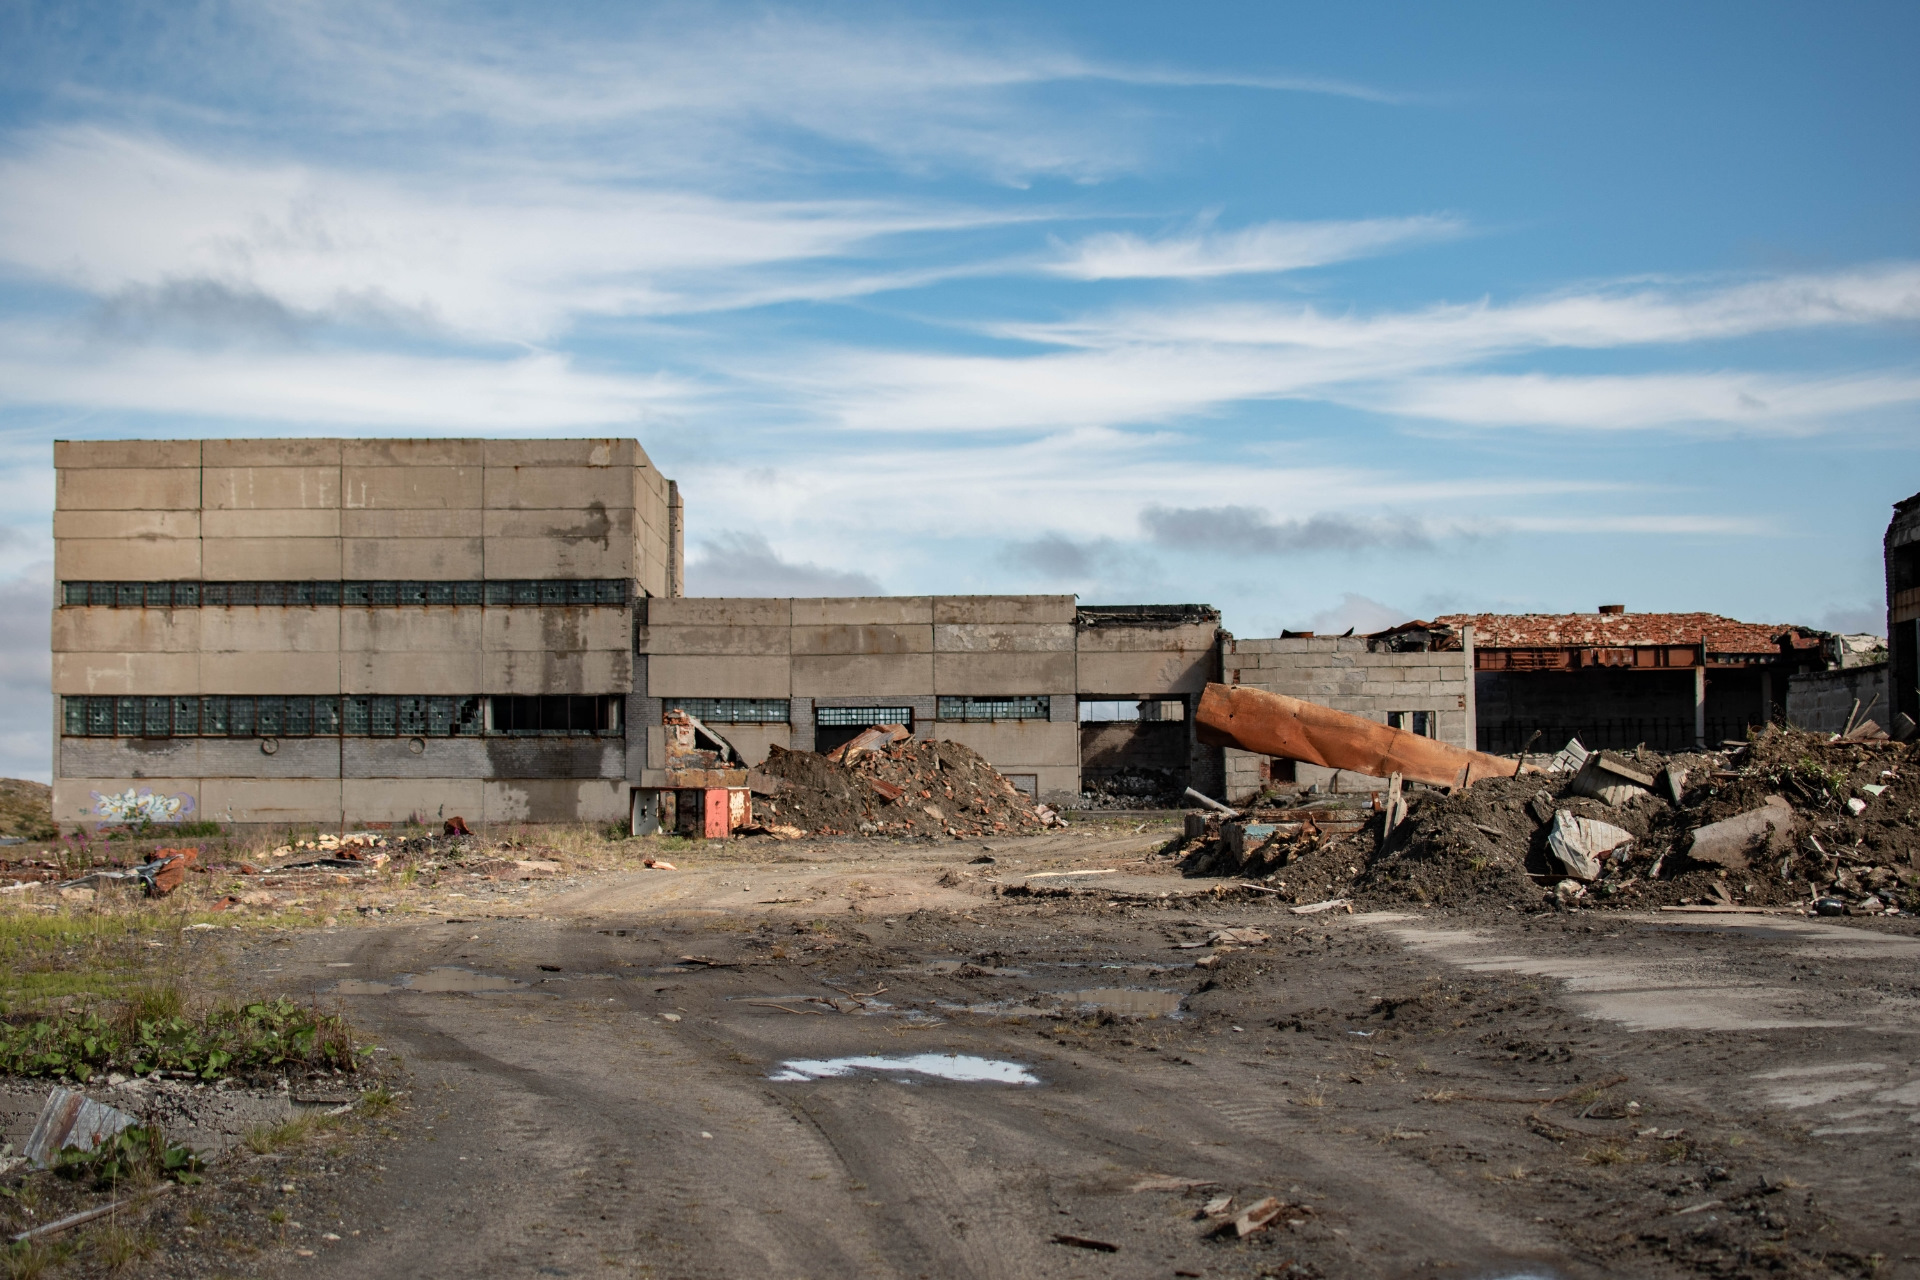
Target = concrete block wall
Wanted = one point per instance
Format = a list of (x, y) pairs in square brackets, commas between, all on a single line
[(1822, 700), (326, 509), (1342, 672)]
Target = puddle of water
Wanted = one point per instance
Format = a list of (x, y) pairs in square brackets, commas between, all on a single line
[(1125, 1001), (958, 1067), (444, 979)]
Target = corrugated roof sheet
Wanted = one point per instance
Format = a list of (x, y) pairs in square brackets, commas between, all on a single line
[(1602, 630)]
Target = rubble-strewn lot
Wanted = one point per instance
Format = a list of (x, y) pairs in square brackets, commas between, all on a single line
[(1048, 1053)]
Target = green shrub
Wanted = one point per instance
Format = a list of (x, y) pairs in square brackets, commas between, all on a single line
[(151, 1033)]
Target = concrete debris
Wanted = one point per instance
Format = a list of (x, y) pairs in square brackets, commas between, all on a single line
[(872, 739), (1209, 802), (1275, 725), (1331, 904), (1569, 759), (1582, 844), (900, 786), (70, 1119), (1732, 843), (1240, 937), (1257, 1216), (1608, 778)]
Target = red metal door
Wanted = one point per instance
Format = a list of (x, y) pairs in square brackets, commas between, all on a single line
[(719, 824)]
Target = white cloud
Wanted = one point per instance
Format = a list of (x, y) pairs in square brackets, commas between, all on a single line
[(1268, 247), (26, 673), (1363, 613), (543, 391), (1639, 401)]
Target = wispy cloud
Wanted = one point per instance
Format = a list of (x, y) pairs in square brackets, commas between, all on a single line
[(1249, 531), (745, 564), (1268, 247)]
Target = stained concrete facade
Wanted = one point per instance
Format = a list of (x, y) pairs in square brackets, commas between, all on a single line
[(195, 520), (1357, 674), (814, 656)]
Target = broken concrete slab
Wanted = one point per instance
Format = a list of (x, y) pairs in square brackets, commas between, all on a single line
[(1609, 779), (1732, 842)]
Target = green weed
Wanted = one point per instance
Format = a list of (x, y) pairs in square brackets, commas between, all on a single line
[(151, 1031)]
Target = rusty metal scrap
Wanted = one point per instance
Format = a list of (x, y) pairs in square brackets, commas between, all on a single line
[(1276, 725)]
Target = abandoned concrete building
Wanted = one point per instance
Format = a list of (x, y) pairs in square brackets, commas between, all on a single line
[(1903, 612), (1617, 679)]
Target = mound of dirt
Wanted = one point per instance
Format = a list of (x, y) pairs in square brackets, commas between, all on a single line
[(26, 809), (1854, 849), (913, 788)]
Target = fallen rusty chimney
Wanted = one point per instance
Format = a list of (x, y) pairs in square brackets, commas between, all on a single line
[(1276, 725)]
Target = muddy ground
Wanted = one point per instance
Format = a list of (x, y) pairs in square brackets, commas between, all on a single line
[(633, 1074)]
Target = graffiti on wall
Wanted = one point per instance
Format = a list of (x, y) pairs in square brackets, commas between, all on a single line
[(141, 808)]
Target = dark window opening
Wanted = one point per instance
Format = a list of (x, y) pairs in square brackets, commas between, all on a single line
[(972, 708), (833, 726), (1420, 722), (555, 715)]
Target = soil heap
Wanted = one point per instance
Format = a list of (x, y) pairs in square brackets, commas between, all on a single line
[(913, 788), (1852, 847)]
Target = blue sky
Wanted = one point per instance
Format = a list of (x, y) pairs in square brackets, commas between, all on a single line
[(1322, 314)]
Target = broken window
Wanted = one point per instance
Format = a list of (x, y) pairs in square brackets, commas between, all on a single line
[(1420, 722), (833, 726), (1110, 711), (554, 715), (975, 708), (734, 710), (164, 595)]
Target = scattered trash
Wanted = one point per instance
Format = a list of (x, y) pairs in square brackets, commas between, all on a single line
[(1582, 844), (71, 1119), (1085, 1242), (956, 1067), (1240, 937), (1257, 1216), (658, 864)]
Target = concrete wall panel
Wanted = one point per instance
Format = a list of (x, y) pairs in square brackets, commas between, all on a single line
[(1142, 674), (1195, 638), (718, 611), (141, 525), (830, 675), (567, 490), (378, 523), (549, 558), (1017, 746), (1001, 637), (288, 452), (88, 454), (412, 453), (269, 628), (126, 560), (321, 522), (279, 801), (764, 641), (411, 629), (600, 525), (752, 740), (555, 758), (589, 671), (271, 673), (554, 629), (270, 559), (863, 611), (1003, 674), (135, 758), (401, 799), (269, 488), (74, 802), (103, 673), (862, 639), (411, 488), (608, 452), (685, 676), (128, 489), (554, 800), (80, 630), (433, 559), (1027, 609), (447, 672)]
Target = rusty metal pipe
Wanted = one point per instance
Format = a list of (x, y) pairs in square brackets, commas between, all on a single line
[(1276, 725)]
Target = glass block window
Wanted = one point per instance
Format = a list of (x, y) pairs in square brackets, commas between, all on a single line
[(846, 717), (971, 708), (299, 716), (735, 710)]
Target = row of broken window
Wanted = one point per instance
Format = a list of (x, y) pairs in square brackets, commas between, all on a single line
[(496, 591), (352, 716), (780, 711)]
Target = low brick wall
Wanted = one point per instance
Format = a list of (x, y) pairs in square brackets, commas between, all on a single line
[(1822, 700)]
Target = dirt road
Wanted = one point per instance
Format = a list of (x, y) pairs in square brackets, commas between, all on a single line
[(747, 1069)]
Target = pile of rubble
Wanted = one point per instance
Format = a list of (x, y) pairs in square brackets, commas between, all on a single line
[(1789, 820), (890, 784), (1130, 789)]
